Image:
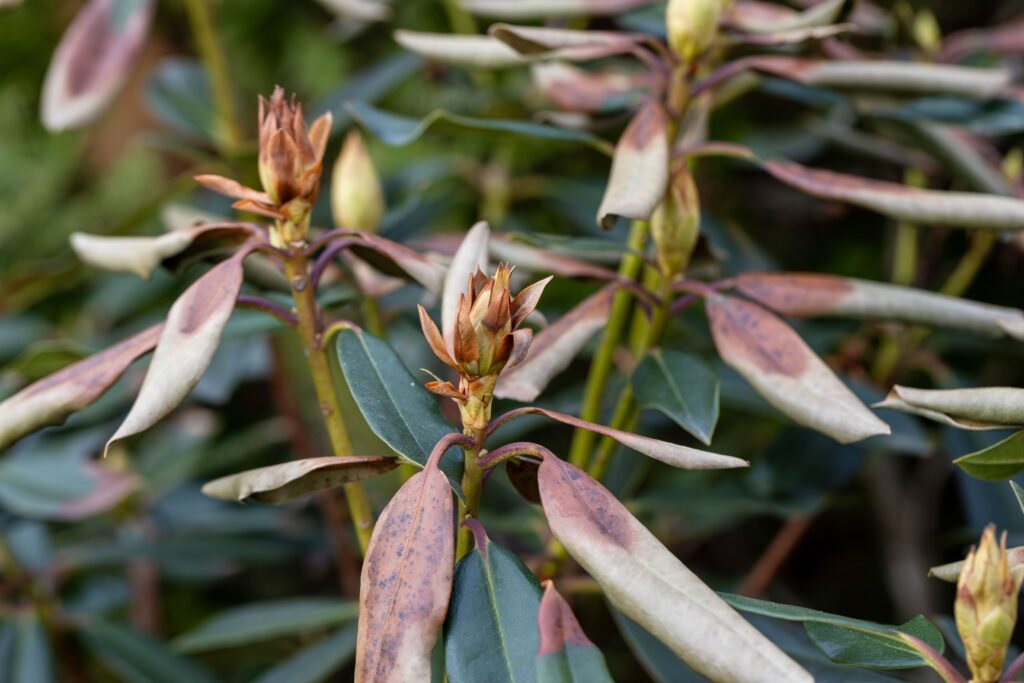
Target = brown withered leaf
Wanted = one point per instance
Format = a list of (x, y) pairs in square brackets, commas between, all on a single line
[(573, 89), (786, 372), (911, 204), (1006, 38), (565, 654), (555, 347), (290, 481), (818, 294), (142, 255), (538, 260), (563, 42), (109, 489), (406, 582), (392, 258), (187, 343), (639, 172), (52, 399), (951, 572), (763, 18), (976, 409), (93, 60), (522, 473), (543, 9), (648, 584)]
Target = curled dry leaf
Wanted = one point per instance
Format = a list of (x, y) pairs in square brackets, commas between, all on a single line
[(572, 89), (639, 172), (911, 204), (786, 372), (977, 409), (648, 584), (421, 269), (465, 50), (470, 256), (554, 348), (290, 481), (815, 294), (406, 582), (187, 343), (542, 9), (754, 16), (142, 255), (564, 42), (565, 653), (901, 78), (951, 572), (93, 60), (50, 400), (683, 457)]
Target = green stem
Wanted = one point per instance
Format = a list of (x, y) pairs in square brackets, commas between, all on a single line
[(297, 271), (460, 20), (600, 369), (472, 487), (904, 266), (971, 262), (626, 411), (211, 51)]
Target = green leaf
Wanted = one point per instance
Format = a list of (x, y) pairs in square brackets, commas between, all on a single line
[(999, 461), (135, 658), (393, 129), (851, 641), (178, 94), (397, 407), (316, 662), (491, 630), (7, 635), (681, 386), (869, 650), (32, 661), (258, 622)]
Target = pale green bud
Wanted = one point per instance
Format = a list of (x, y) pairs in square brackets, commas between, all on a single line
[(692, 26), (357, 199), (675, 224)]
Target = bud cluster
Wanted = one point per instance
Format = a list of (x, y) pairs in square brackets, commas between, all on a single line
[(290, 165), (485, 339), (986, 606)]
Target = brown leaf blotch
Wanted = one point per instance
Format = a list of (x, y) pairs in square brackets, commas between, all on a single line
[(570, 492), (796, 294), (746, 332), (557, 624), (649, 124)]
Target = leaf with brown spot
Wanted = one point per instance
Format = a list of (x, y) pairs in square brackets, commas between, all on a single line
[(93, 60), (566, 655), (910, 204), (545, 260), (428, 273), (297, 479), (565, 43), (478, 51), (816, 294), (406, 582), (50, 400), (187, 343), (975, 409), (142, 255), (786, 372), (554, 348), (570, 88), (639, 172), (683, 457), (646, 582)]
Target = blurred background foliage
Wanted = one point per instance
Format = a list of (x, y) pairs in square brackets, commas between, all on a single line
[(131, 574)]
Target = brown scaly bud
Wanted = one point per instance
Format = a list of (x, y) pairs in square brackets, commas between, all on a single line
[(486, 339), (290, 165), (675, 224), (986, 606)]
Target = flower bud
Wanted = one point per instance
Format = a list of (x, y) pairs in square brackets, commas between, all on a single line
[(675, 225), (986, 606), (357, 199), (485, 340), (692, 26)]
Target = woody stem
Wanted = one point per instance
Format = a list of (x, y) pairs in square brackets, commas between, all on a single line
[(311, 332)]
